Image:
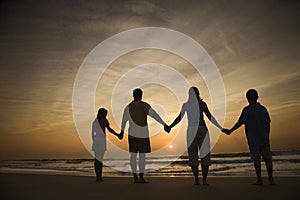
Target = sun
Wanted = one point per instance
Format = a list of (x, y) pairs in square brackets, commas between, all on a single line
[(171, 146)]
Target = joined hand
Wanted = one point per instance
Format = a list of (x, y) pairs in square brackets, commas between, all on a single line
[(167, 128), (226, 131), (121, 135)]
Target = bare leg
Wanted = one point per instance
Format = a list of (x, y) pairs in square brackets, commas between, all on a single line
[(135, 178), (195, 173), (133, 162), (257, 167), (96, 166), (269, 166), (204, 173), (98, 170), (133, 166), (142, 163)]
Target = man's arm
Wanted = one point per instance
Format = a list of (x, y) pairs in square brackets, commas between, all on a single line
[(125, 118), (156, 116)]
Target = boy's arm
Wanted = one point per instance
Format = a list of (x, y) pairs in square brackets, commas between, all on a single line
[(269, 121), (242, 120), (268, 127), (236, 126)]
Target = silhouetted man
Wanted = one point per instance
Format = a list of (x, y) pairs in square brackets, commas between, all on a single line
[(256, 119), (138, 134)]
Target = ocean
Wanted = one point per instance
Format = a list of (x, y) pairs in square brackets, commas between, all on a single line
[(285, 163)]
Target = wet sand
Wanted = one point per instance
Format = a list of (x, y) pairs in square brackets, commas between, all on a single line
[(28, 186)]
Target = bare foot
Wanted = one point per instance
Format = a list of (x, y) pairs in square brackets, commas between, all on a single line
[(135, 181), (205, 183), (143, 181), (258, 183), (271, 181)]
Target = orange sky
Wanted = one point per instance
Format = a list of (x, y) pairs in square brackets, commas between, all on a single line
[(254, 44)]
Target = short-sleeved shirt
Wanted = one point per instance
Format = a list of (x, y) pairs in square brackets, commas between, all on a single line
[(257, 124), (136, 113), (99, 136)]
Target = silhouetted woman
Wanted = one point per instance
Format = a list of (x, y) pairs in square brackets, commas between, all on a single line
[(197, 133), (99, 140)]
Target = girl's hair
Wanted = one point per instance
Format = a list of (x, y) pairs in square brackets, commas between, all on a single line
[(102, 112)]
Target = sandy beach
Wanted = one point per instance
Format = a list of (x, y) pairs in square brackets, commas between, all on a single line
[(27, 186)]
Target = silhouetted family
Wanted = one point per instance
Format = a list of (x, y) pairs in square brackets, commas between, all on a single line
[(255, 117)]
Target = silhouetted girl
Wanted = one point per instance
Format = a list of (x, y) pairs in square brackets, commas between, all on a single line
[(99, 140)]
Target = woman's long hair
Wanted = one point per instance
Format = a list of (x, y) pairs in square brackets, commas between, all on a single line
[(194, 93)]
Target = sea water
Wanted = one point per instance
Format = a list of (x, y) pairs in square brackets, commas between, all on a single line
[(285, 163)]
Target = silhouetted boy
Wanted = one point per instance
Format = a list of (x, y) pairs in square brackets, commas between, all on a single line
[(256, 119)]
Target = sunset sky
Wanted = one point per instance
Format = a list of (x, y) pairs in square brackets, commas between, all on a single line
[(255, 44)]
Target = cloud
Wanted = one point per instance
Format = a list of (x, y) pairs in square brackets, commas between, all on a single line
[(42, 44)]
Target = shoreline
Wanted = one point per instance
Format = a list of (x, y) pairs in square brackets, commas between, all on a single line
[(286, 164), (58, 173), (213, 155)]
